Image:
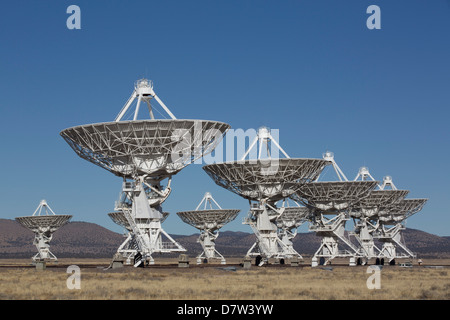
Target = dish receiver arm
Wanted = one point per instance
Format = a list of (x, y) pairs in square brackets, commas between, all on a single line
[(262, 138), (164, 106), (143, 91), (208, 199), (126, 107)]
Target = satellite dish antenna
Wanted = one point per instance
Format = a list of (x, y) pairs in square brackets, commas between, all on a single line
[(208, 220), (265, 183), (43, 223), (144, 153), (382, 216), (391, 224), (331, 203)]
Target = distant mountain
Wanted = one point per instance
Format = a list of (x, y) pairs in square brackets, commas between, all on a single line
[(427, 245), (75, 239), (89, 240)]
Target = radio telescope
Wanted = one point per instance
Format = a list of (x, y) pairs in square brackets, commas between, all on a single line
[(43, 227), (370, 211), (331, 203), (392, 221), (208, 221), (265, 181), (144, 153), (391, 225), (289, 220)]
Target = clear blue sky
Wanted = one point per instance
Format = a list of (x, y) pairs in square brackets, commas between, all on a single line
[(311, 69)]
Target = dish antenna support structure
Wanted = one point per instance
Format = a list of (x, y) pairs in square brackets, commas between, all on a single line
[(144, 153), (208, 220), (369, 211), (44, 222), (273, 219), (291, 217), (331, 203), (265, 182), (129, 248), (392, 222)]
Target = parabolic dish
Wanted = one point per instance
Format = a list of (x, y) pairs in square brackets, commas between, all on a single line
[(402, 209), (157, 147), (119, 218), (377, 202), (334, 195), (260, 179), (212, 219), (46, 223), (292, 215)]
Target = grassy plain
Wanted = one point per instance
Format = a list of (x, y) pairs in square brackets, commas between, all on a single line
[(19, 280)]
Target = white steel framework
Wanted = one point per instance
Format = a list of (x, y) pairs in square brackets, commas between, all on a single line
[(130, 248)]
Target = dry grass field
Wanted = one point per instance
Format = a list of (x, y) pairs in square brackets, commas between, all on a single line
[(212, 282)]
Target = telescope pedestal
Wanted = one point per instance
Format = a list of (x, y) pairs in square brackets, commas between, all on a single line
[(144, 222), (332, 232), (364, 235), (391, 238), (286, 237), (42, 243), (207, 241), (268, 244)]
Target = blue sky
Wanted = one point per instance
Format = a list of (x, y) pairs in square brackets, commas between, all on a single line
[(311, 69)]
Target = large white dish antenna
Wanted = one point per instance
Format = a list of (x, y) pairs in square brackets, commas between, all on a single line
[(145, 147), (272, 179), (334, 195)]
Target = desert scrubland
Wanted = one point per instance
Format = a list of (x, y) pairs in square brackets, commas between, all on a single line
[(19, 280)]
